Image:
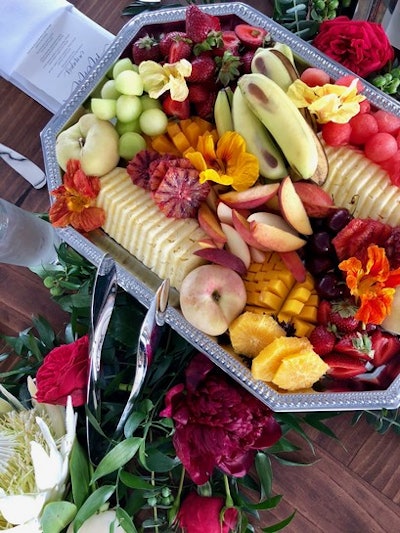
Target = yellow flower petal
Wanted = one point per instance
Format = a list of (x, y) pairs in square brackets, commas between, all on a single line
[(158, 79)]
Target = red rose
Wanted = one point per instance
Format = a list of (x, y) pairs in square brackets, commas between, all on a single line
[(64, 373), (217, 422), (360, 46), (199, 514)]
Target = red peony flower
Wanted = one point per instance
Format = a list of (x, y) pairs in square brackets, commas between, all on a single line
[(217, 422), (199, 514), (358, 45), (64, 373)]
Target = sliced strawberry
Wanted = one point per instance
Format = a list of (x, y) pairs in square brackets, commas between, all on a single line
[(203, 69), (343, 366), (146, 48), (385, 345), (180, 193), (173, 108), (323, 340), (199, 24), (355, 344), (179, 49), (324, 312), (168, 38), (252, 36), (230, 41)]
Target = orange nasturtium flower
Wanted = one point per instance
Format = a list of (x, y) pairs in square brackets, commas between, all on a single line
[(75, 200), (329, 102), (224, 161), (372, 284)]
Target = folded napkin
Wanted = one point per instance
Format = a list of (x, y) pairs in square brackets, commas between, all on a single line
[(47, 47)]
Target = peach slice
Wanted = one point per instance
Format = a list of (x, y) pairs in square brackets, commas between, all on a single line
[(241, 224), (224, 213), (207, 243), (257, 256), (250, 198), (274, 237), (220, 256), (292, 207), (209, 222), (293, 262), (316, 201), (236, 244)]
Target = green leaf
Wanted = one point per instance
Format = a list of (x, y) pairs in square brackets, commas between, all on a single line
[(269, 503), (117, 457), (264, 471), (80, 474), (56, 516), (135, 482), (98, 498), (125, 520), (157, 461), (45, 331), (280, 525)]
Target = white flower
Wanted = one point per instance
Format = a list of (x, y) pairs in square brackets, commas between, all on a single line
[(99, 523), (157, 79), (34, 457)]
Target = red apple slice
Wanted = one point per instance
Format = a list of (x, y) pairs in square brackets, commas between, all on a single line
[(250, 198), (292, 207), (275, 238), (294, 263), (236, 244), (222, 257), (209, 222)]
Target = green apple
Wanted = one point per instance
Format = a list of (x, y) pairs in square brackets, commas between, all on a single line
[(128, 108), (153, 121), (130, 143), (94, 142), (129, 82), (104, 108)]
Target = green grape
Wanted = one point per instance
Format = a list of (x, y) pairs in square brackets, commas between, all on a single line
[(333, 5), (392, 87), (319, 5), (48, 282)]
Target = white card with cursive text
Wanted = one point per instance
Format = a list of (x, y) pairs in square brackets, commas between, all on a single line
[(53, 50)]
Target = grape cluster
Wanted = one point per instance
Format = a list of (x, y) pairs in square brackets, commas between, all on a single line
[(389, 82), (326, 9), (320, 256)]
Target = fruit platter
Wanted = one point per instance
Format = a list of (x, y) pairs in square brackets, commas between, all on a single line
[(213, 147)]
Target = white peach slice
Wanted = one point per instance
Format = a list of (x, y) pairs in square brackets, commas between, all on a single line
[(292, 207), (241, 224), (211, 297), (209, 222), (224, 213), (272, 219), (220, 256), (236, 244), (250, 198), (274, 238), (257, 256)]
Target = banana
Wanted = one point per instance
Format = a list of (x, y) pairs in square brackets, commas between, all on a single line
[(222, 111), (286, 51), (284, 122), (275, 65), (258, 141)]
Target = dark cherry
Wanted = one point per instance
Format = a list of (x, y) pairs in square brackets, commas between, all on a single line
[(339, 219), (320, 243), (318, 264), (330, 287)]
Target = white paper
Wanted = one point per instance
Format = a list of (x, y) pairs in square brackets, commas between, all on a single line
[(391, 23), (47, 47)]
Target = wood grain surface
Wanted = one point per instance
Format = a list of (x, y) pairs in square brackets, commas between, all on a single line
[(352, 484)]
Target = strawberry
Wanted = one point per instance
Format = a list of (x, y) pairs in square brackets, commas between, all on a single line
[(199, 24), (385, 345), (251, 36), (168, 38), (198, 92), (323, 312), (343, 366), (173, 108), (246, 60), (203, 69), (205, 108), (146, 48), (323, 340), (342, 316), (228, 68), (179, 49), (355, 344), (230, 42)]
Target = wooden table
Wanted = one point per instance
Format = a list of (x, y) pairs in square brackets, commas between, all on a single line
[(353, 485)]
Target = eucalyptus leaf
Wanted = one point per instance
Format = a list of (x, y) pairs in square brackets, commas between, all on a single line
[(135, 482), (125, 520), (98, 498), (159, 462), (56, 516), (117, 457)]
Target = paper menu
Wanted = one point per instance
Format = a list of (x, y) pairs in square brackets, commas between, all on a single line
[(47, 47)]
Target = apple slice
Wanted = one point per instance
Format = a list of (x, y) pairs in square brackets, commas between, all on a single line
[(293, 262), (250, 198), (274, 238), (316, 201), (222, 257), (236, 244), (292, 207), (209, 222), (241, 224)]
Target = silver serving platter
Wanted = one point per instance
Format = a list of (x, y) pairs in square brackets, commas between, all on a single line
[(134, 277)]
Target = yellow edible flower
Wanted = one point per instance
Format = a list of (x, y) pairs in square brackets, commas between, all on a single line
[(372, 284), (329, 103), (224, 161), (157, 79)]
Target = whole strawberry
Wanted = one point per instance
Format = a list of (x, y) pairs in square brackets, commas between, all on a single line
[(146, 48), (323, 339), (199, 24), (166, 39), (342, 316), (203, 69)]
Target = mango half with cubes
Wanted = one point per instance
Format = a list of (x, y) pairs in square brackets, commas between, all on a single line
[(273, 290)]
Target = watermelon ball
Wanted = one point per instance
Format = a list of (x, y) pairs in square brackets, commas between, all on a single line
[(313, 77), (387, 122), (363, 126), (346, 81), (398, 140), (365, 106), (380, 147), (336, 134), (392, 167)]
